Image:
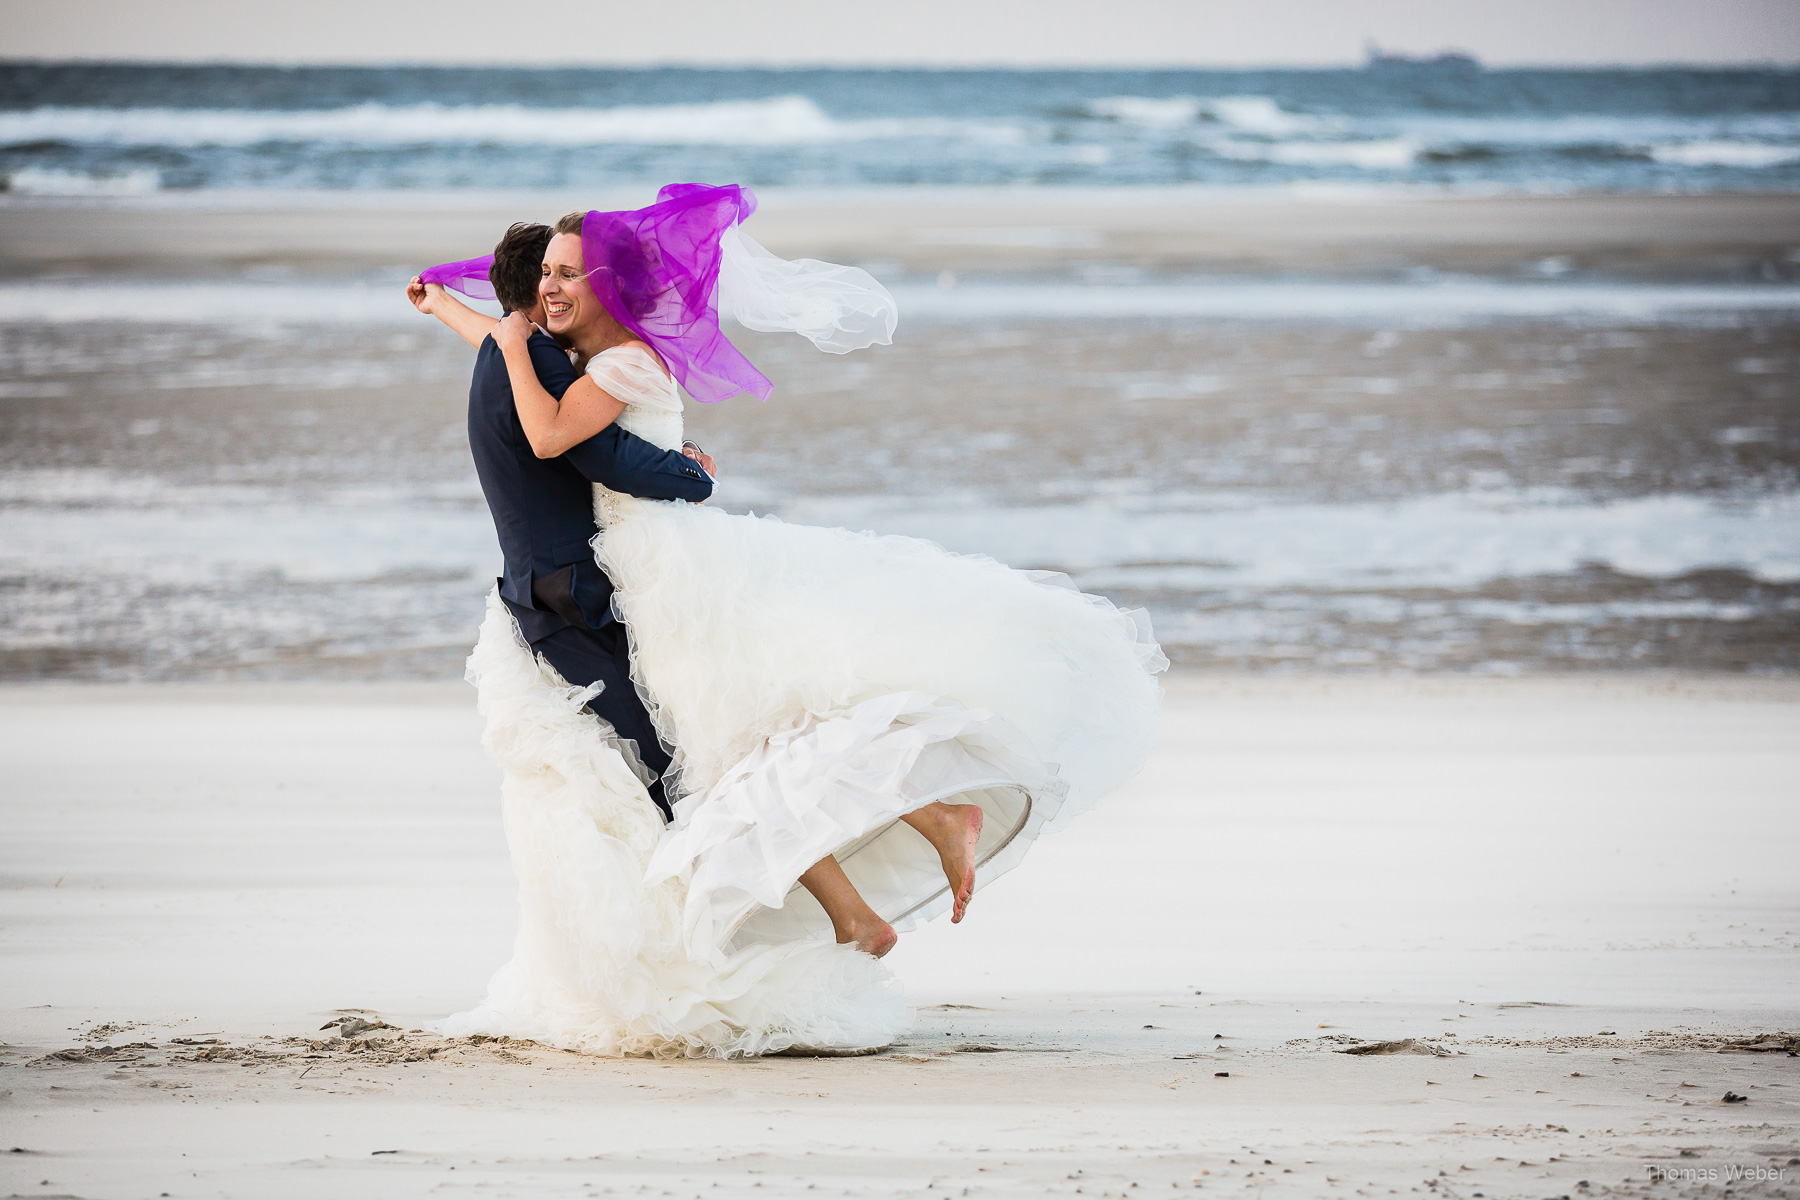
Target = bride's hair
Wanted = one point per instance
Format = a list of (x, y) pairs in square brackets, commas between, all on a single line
[(519, 264), (630, 263)]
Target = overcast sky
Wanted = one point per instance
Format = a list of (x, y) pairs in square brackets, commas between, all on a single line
[(933, 32)]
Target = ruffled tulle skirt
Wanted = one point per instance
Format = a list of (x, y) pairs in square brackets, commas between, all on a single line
[(817, 684)]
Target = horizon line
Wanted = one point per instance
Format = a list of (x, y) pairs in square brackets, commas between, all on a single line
[(1422, 61)]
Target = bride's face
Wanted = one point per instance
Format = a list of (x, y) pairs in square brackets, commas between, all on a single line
[(569, 303)]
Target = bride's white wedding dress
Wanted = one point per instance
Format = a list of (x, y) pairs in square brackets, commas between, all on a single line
[(815, 685)]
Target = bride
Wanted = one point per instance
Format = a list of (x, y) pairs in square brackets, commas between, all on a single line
[(866, 730)]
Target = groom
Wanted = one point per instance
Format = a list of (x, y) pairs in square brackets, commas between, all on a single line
[(543, 509)]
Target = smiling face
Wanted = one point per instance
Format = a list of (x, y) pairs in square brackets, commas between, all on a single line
[(570, 306)]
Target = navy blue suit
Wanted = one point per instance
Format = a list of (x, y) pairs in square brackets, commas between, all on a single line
[(543, 512)]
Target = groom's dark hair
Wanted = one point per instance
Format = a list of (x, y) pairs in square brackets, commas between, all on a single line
[(518, 265)]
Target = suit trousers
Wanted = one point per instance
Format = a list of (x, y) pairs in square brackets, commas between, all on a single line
[(603, 656)]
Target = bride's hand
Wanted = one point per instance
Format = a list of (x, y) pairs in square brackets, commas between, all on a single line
[(512, 331)]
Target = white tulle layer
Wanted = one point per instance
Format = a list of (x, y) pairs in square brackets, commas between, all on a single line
[(836, 787), (599, 963), (815, 684)]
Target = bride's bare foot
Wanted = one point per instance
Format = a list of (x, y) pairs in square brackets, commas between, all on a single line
[(952, 830), (875, 937), (851, 917)]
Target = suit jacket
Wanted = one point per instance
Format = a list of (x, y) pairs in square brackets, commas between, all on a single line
[(543, 508)]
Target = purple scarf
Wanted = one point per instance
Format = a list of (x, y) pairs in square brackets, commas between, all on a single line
[(656, 270)]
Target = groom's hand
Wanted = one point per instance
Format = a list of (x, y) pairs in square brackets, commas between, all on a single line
[(702, 457), (421, 294)]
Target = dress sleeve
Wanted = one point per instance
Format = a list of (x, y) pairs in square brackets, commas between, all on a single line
[(632, 375)]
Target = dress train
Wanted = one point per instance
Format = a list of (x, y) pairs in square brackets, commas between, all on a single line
[(599, 963)]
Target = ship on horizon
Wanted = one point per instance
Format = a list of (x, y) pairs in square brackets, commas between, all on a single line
[(1377, 59)]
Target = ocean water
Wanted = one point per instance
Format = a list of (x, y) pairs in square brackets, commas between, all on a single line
[(124, 130)]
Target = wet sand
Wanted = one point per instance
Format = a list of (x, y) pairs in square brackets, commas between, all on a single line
[(1331, 231), (183, 501), (1573, 895)]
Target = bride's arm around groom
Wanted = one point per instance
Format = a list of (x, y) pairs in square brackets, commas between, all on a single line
[(614, 458)]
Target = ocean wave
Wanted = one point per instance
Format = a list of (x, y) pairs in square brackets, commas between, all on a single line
[(1257, 129), (1738, 154), (1442, 540), (1153, 111), (1250, 128), (1259, 114), (775, 121), (43, 181), (1248, 114), (1755, 140), (1572, 129), (1386, 154), (1725, 154)]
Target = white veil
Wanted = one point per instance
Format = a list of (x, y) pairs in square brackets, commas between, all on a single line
[(839, 309)]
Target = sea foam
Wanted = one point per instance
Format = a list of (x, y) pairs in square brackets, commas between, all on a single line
[(44, 181), (774, 121), (1726, 154)]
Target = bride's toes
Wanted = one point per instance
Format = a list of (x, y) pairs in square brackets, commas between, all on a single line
[(965, 892), (959, 858)]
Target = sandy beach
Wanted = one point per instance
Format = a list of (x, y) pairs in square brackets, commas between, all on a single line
[(1574, 896)]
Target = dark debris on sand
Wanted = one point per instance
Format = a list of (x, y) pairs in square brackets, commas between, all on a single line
[(351, 1043)]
